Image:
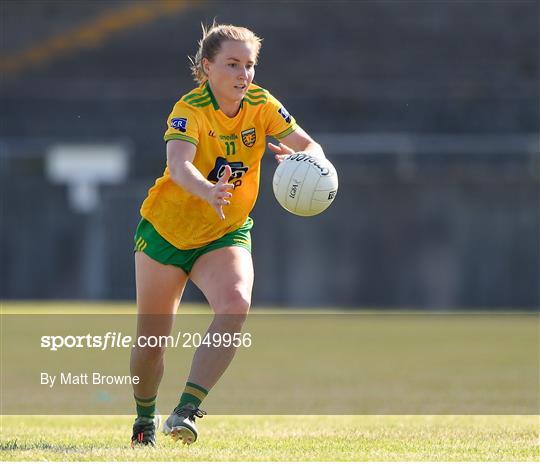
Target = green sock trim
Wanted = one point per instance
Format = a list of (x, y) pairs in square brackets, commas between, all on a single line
[(144, 400), (198, 387), (186, 398), (146, 407), (193, 394)]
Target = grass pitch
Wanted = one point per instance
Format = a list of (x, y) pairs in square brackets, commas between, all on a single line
[(279, 438), (332, 437)]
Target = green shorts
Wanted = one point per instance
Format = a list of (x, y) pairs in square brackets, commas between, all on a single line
[(148, 240)]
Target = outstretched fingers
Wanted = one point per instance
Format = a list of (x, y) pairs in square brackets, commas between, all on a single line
[(281, 151), (226, 175), (220, 192)]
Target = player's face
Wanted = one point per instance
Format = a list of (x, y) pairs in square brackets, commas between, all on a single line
[(232, 70)]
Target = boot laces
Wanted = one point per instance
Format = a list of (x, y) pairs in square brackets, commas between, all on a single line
[(190, 411)]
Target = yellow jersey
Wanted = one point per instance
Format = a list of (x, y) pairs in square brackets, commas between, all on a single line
[(185, 220)]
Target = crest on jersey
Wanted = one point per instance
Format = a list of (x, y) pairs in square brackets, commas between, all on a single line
[(249, 137), (179, 124), (284, 114)]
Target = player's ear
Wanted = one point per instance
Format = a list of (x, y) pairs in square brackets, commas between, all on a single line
[(205, 65)]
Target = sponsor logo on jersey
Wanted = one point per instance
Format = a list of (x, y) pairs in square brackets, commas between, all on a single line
[(249, 137), (179, 124), (285, 114), (237, 167), (228, 138), (212, 133)]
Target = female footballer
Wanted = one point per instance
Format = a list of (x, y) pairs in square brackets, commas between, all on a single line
[(195, 220)]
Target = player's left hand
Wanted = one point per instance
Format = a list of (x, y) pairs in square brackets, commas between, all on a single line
[(281, 151)]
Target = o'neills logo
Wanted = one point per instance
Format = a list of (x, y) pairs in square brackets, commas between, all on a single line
[(310, 159)]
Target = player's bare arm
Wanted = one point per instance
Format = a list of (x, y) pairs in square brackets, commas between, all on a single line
[(296, 141), (180, 155)]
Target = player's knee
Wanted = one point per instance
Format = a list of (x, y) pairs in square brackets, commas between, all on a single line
[(235, 302), (150, 353), (233, 310)]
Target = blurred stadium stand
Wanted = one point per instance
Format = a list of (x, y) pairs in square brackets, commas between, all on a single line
[(430, 111)]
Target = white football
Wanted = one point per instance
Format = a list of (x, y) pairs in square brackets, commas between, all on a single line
[(305, 185)]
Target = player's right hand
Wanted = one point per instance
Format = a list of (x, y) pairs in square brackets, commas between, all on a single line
[(219, 193)]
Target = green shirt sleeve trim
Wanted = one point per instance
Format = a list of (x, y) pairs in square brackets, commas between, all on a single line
[(286, 131), (185, 138)]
